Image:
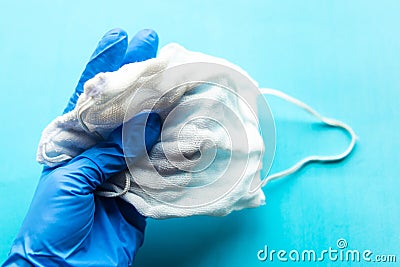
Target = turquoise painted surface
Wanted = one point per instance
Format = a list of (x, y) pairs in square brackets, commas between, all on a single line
[(341, 57)]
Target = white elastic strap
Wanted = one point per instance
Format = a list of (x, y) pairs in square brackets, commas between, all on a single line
[(117, 190), (313, 158), (85, 105), (56, 159)]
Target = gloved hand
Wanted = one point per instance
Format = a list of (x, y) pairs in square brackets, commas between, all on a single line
[(67, 224)]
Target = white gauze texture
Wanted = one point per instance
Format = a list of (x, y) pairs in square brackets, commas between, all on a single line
[(155, 181)]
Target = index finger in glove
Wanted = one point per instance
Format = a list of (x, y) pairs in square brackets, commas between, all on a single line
[(108, 56)]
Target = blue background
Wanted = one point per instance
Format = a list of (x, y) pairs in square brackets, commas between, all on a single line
[(341, 57)]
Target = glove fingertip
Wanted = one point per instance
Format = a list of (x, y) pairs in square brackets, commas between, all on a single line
[(143, 46), (107, 56), (110, 38)]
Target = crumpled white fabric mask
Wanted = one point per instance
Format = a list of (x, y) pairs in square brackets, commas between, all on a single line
[(208, 158)]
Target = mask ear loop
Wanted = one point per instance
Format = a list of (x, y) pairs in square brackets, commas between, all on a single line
[(313, 158)]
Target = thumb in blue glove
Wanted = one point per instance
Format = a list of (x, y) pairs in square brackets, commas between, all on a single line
[(67, 224)]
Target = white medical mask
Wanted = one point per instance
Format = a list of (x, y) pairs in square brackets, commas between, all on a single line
[(210, 153)]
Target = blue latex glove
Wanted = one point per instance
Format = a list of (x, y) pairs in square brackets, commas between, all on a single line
[(68, 225)]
